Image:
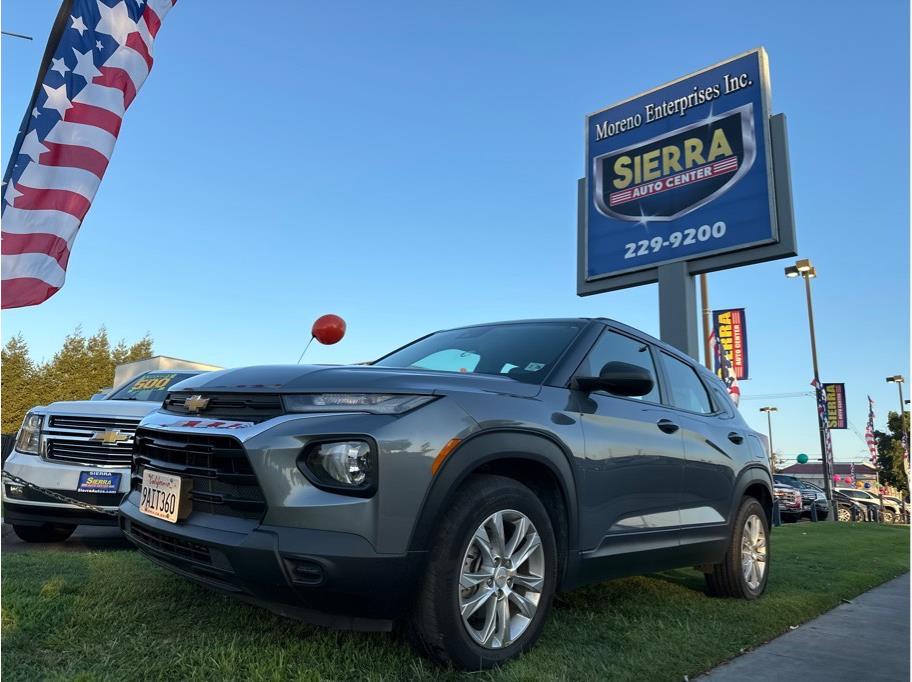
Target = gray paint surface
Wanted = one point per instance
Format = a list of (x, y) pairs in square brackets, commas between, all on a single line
[(867, 639)]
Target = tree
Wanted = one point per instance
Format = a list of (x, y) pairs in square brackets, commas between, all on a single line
[(17, 374), (890, 451), (77, 371)]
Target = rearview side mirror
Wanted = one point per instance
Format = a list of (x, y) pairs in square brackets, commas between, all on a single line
[(619, 378)]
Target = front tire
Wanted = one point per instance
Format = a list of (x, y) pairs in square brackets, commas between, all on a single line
[(490, 577), (845, 515), (49, 532), (744, 571), (887, 516)]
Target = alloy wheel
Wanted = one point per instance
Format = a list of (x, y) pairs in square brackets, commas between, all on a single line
[(845, 515), (753, 551), (501, 579)]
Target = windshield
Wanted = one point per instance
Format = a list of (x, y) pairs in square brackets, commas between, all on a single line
[(525, 351), (151, 386)]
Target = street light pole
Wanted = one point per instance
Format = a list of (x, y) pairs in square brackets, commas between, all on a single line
[(769, 427), (803, 268), (898, 380)]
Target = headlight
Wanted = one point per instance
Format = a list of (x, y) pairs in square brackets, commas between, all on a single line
[(374, 403), (347, 465), (29, 438)]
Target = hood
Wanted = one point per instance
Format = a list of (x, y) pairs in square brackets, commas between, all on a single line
[(103, 408), (351, 378)]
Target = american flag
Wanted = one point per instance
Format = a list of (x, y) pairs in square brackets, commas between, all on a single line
[(98, 55), (728, 372), (824, 421), (870, 439)]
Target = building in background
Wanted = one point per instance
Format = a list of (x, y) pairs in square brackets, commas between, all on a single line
[(812, 472)]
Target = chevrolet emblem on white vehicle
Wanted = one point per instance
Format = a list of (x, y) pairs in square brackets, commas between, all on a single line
[(110, 436), (196, 403)]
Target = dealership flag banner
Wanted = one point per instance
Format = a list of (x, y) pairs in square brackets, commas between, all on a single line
[(836, 406), (825, 420), (98, 56), (870, 439), (726, 371), (730, 329)]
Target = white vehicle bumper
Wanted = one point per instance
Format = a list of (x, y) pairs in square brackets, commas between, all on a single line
[(62, 479)]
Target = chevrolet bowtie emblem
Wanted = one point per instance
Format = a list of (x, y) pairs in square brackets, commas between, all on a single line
[(196, 403), (110, 437)]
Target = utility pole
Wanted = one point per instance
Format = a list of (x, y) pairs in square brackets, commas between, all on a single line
[(707, 346)]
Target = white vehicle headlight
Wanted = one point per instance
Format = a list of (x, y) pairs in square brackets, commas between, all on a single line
[(373, 403), (29, 438)]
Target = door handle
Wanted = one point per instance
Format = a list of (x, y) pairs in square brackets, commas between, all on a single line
[(736, 438), (667, 425)]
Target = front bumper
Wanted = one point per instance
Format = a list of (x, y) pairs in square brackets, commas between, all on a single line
[(31, 507), (323, 577)]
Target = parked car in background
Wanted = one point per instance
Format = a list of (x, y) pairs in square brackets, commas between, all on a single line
[(902, 505), (81, 449), (890, 512), (791, 504), (812, 496), (455, 484), (849, 510)]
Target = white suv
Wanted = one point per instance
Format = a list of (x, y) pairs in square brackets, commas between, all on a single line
[(82, 450), (890, 512)]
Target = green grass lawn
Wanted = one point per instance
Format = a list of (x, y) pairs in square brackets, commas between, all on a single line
[(113, 615)]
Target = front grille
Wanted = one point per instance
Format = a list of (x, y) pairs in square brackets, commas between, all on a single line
[(170, 544), (223, 480), (69, 439), (255, 407)]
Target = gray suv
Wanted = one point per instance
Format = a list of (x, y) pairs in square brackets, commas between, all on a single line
[(454, 485)]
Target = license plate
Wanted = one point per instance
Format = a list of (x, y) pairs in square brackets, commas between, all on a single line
[(98, 482), (165, 496)]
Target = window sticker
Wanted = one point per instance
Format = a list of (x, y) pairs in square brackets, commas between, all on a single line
[(155, 382), (534, 366)]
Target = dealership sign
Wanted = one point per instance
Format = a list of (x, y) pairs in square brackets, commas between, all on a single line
[(681, 173), (836, 406), (730, 328)]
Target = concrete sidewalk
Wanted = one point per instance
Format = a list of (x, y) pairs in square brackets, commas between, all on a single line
[(867, 639)]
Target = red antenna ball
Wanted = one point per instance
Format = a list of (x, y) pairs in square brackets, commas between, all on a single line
[(328, 329)]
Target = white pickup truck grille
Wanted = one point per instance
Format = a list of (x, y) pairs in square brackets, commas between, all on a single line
[(75, 439)]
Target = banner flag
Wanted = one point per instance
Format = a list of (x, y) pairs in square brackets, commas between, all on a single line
[(98, 55), (730, 330), (836, 406)]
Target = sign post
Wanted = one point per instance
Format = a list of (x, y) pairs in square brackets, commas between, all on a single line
[(687, 178)]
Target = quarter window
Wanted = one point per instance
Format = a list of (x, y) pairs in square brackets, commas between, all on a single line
[(685, 389), (614, 347)]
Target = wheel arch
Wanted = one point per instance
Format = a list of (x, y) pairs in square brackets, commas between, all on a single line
[(755, 481), (530, 457)]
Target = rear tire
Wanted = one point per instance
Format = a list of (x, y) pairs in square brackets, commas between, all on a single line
[(453, 580), (744, 571), (887, 515), (49, 532)]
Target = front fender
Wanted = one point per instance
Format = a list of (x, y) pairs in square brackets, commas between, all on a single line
[(487, 447)]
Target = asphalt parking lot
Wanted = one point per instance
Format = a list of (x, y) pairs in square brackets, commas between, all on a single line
[(86, 538)]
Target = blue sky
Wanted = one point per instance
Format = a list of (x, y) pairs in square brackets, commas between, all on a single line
[(413, 167)]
